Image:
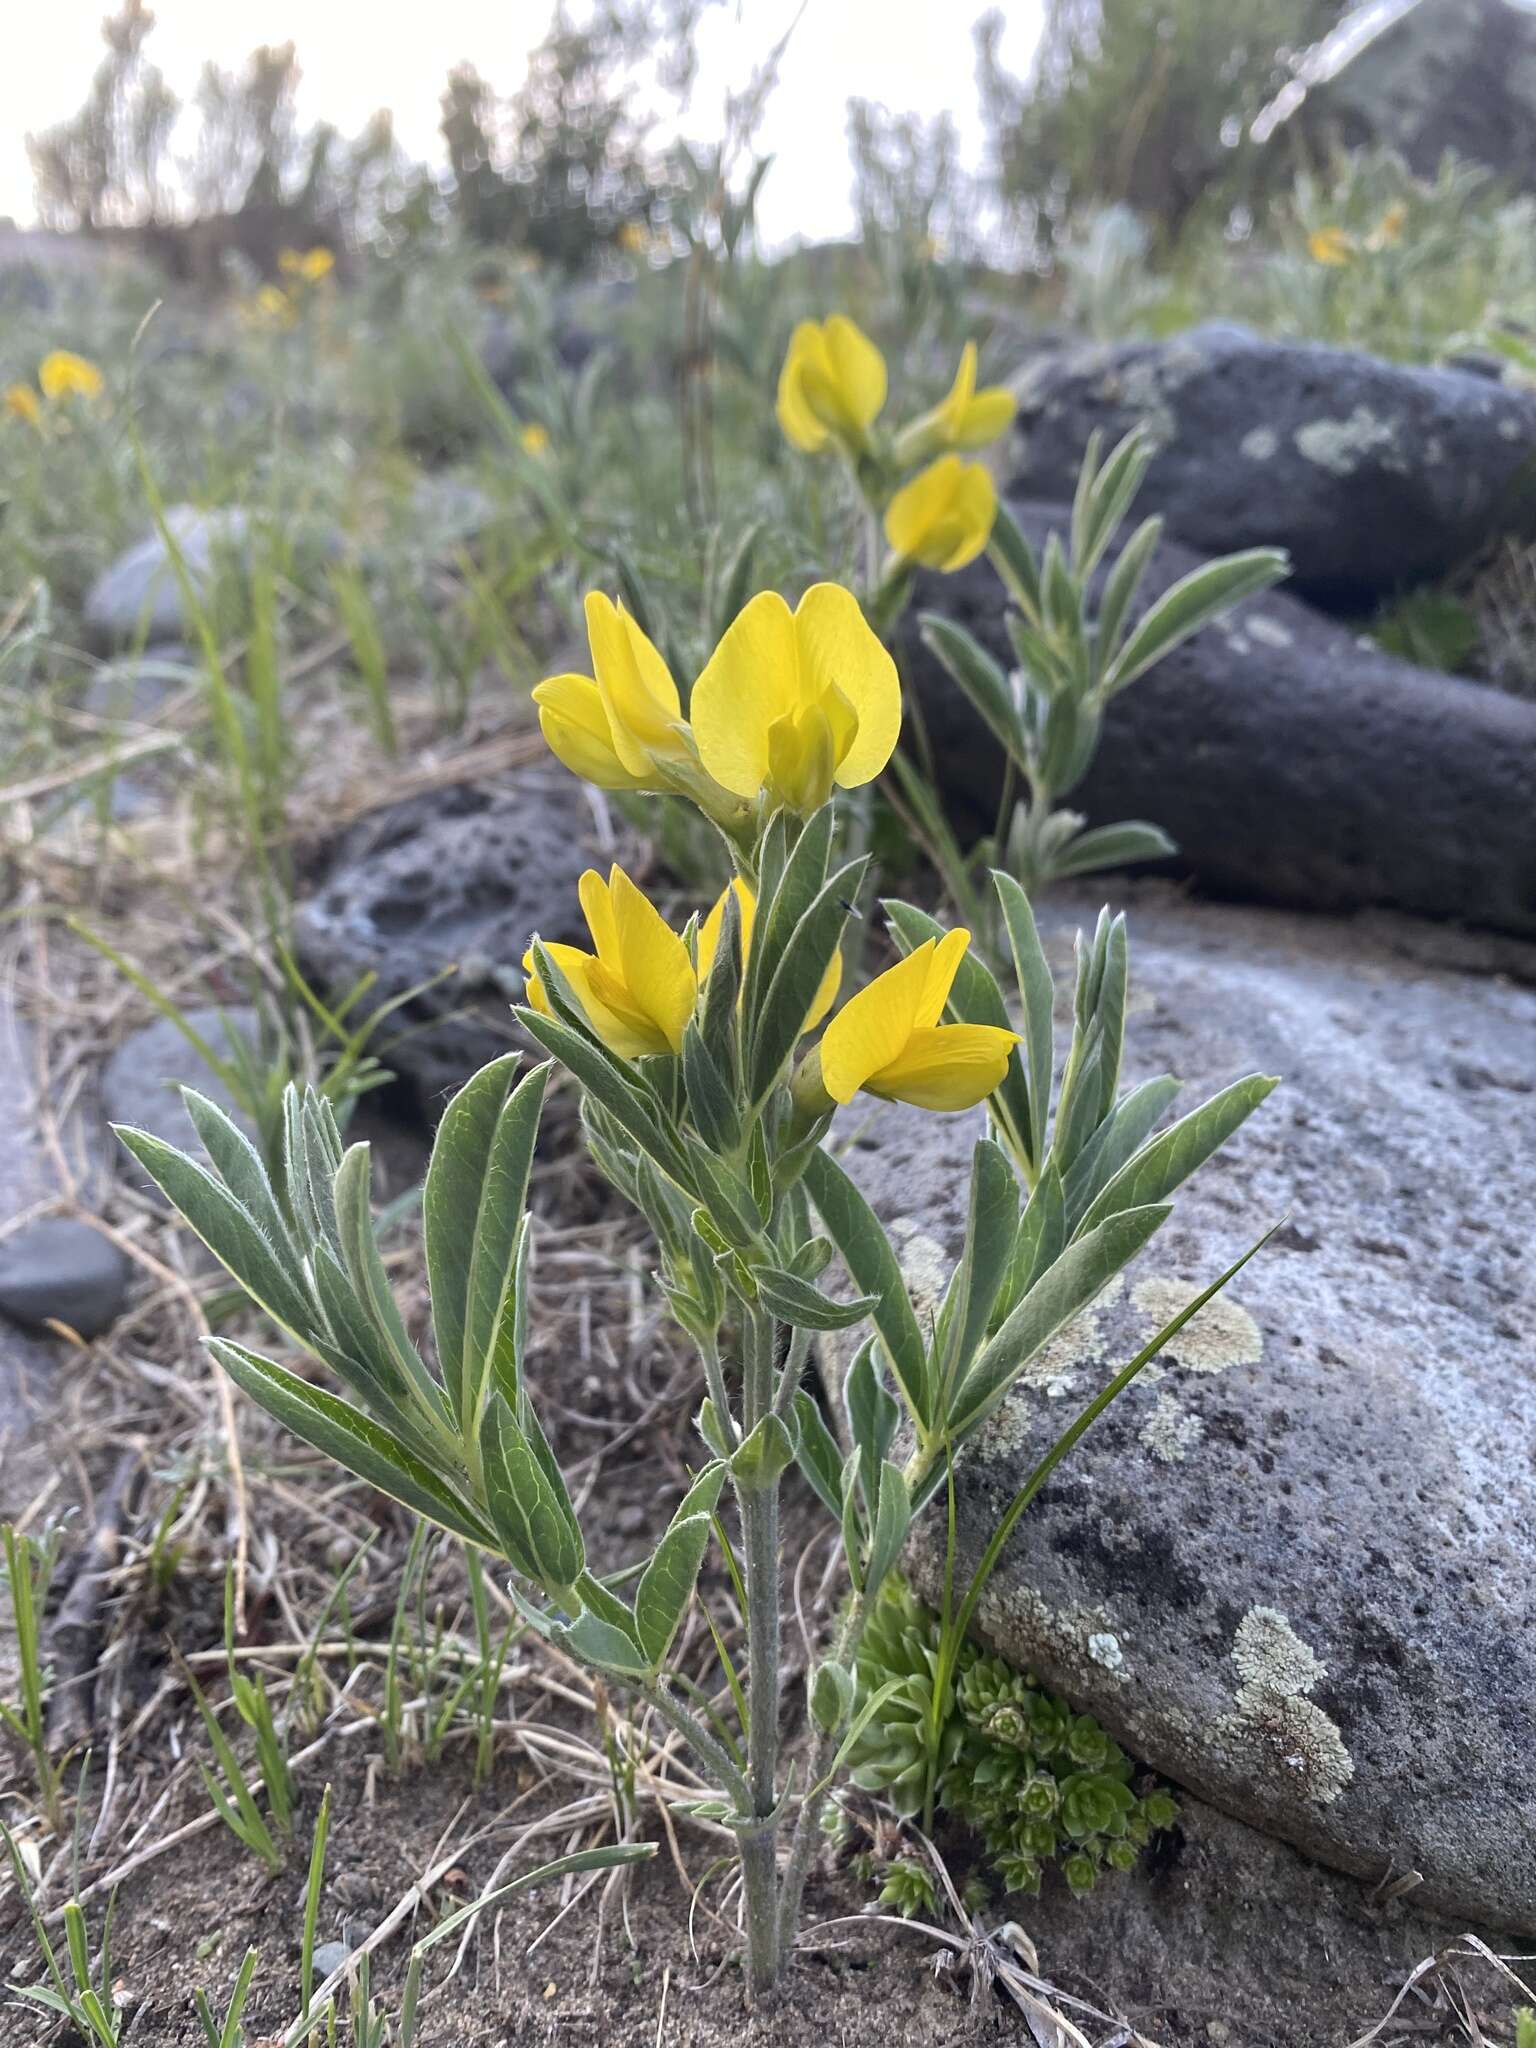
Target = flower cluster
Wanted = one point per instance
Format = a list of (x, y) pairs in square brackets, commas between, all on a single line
[(62, 377), (832, 390), (1335, 248)]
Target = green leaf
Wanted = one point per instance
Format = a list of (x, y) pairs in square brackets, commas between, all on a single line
[(450, 1209), (224, 1226), (781, 907), (1037, 996), (796, 1301), (892, 1519), (979, 676), (872, 1417), (1204, 594), (1063, 1291), (615, 1087), (1114, 489), (807, 953), (866, 1250), (711, 1098), (1014, 559), (353, 1198), (1117, 1139), (528, 1503), (1169, 1160), (495, 1299), (703, 1497), (992, 1228), (817, 1454), (239, 1166), (594, 1641), (1112, 846), (667, 1583), (353, 1439)]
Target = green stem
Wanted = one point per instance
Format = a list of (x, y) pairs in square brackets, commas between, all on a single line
[(802, 1845)]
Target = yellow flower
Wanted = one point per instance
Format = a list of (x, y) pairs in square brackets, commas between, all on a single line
[(272, 307), (309, 266), (709, 945), (618, 726), (633, 238), (792, 702), (23, 402), (63, 375), (638, 988), (943, 518), (1388, 231), (1330, 247), (534, 438), (965, 418), (888, 1040), (831, 387)]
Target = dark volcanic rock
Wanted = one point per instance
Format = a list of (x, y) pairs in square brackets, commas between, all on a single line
[(1293, 1566), (1371, 474), (457, 881), (1291, 762), (58, 1270)]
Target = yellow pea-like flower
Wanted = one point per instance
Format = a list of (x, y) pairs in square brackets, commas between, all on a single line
[(65, 375), (23, 403), (964, 418), (792, 702), (534, 438), (831, 387), (709, 945), (637, 986), (1331, 247), (888, 1040), (1388, 231), (943, 518), (308, 265), (619, 726)]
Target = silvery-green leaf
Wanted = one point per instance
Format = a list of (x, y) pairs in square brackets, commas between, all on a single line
[(804, 959), (891, 1520), (1169, 1159), (224, 1226), (711, 1098), (593, 1641), (992, 1226), (817, 1453), (872, 1417), (1191, 603), (1121, 586), (978, 675), (1015, 559), (617, 1088), (450, 1208), (1117, 1139), (761, 1460), (1112, 846), (703, 1497), (532, 1512), (353, 1439), (239, 1166), (854, 1229), (353, 1200), (1063, 1291), (780, 907), (796, 1301), (1037, 997), (667, 1583), (495, 1296)]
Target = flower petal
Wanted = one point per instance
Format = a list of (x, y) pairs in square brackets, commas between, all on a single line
[(800, 426), (858, 368), (750, 680), (872, 1027), (987, 415), (943, 966), (597, 909), (839, 650), (952, 1066), (575, 727), (637, 689), (652, 960)]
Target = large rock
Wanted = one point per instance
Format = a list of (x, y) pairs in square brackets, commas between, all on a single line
[(1293, 1567), (1225, 1938), (58, 1270), (1455, 75), (447, 889), (142, 1080), (138, 597), (1291, 762), (1371, 474)]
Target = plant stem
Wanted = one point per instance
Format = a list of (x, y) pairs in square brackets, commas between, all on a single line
[(808, 1822), (759, 1864)]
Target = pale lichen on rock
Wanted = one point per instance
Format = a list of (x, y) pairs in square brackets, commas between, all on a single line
[(1221, 1336)]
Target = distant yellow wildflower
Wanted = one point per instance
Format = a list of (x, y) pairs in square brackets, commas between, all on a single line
[(1331, 247), (1388, 231), (23, 402), (309, 266), (534, 439), (64, 375)]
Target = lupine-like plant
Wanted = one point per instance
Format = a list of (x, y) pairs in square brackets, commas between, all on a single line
[(708, 1083)]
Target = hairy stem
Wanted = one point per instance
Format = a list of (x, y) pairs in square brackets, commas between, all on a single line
[(760, 1529), (802, 1845)]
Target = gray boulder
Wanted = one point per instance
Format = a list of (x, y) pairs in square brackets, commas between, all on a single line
[(141, 1080), (58, 1270), (1454, 75), (447, 888), (1290, 761), (1293, 1566), (139, 596), (1371, 474)]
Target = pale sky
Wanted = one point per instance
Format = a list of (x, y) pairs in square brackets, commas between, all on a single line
[(358, 55)]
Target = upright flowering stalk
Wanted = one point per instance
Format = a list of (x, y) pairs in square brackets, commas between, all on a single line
[(710, 1062)]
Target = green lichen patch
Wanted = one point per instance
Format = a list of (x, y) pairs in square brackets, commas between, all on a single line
[(1221, 1336)]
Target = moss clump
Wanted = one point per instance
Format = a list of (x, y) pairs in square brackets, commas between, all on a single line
[(1040, 1784)]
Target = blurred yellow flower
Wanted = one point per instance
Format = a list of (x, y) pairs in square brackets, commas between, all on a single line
[(1331, 247), (964, 418), (638, 987), (633, 238), (308, 265), (831, 387), (1388, 231), (64, 375), (790, 703), (534, 438), (272, 307), (943, 518), (888, 1040), (709, 945), (617, 726), (22, 401)]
